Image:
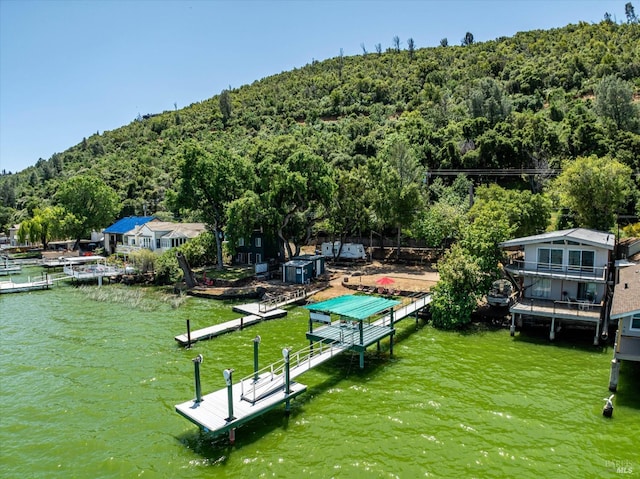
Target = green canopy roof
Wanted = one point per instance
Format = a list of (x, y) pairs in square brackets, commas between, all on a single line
[(352, 306)]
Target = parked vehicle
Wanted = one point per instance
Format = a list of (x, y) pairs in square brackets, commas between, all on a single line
[(348, 250), (501, 294)]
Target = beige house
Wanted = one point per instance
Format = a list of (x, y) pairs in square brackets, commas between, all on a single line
[(625, 309), (561, 278), (160, 236)]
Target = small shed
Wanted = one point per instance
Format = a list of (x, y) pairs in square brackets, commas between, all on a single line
[(297, 271), (302, 269)]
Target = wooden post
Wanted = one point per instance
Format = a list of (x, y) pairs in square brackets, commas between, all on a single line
[(196, 363), (188, 334), (512, 329), (614, 375), (552, 332)]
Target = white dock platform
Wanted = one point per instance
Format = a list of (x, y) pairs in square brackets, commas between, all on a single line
[(11, 287), (254, 309), (212, 413), (233, 325), (218, 329)]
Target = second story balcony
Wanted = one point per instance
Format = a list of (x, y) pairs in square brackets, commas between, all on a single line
[(557, 271)]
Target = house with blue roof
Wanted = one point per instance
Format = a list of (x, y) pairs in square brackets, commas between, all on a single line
[(114, 234)]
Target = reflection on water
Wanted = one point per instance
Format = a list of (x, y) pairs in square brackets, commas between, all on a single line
[(88, 389)]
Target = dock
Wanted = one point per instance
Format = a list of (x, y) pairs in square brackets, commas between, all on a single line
[(227, 409), (9, 267), (227, 327), (269, 308), (11, 287)]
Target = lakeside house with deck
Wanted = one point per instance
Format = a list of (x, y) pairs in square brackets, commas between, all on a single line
[(625, 309), (114, 234), (147, 232), (562, 278), (159, 236)]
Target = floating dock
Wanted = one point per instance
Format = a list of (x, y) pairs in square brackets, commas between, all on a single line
[(227, 327), (255, 312)]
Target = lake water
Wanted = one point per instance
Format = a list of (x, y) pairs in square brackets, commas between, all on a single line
[(88, 389)]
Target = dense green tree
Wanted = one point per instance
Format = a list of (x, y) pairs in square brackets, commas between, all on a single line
[(526, 213), (488, 100), (614, 101), (45, 225), (209, 182), (348, 211), (630, 13), (396, 180), (595, 189), (224, 101), (89, 204), (439, 223), (456, 294), (296, 195)]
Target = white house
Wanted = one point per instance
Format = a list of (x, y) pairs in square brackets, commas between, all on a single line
[(160, 236), (625, 308), (561, 277)]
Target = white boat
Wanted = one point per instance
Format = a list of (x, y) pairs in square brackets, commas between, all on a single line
[(501, 294)]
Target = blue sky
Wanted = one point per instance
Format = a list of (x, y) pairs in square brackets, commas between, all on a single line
[(70, 68)]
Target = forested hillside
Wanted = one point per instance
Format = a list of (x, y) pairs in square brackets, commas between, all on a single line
[(537, 100)]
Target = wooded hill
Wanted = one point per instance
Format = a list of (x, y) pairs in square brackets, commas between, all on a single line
[(536, 100)]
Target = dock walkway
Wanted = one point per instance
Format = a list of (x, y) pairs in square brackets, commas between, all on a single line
[(228, 408), (227, 327)]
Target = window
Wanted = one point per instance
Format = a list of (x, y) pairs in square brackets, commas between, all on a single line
[(241, 242), (581, 260), (258, 242), (635, 321), (549, 258), (587, 291), (542, 288)]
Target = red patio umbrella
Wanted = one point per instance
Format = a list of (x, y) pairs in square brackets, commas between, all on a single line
[(384, 281)]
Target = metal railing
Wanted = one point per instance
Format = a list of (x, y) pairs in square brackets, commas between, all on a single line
[(574, 307), (573, 271), (272, 303), (271, 377)]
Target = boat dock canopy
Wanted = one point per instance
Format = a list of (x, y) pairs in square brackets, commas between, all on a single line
[(354, 306)]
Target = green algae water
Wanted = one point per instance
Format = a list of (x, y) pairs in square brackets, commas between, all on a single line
[(89, 384)]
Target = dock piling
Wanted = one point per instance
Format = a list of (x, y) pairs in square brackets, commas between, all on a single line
[(196, 363), (256, 343), (188, 346), (287, 379), (228, 377)]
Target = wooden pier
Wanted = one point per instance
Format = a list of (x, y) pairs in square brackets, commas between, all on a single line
[(228, 408)]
